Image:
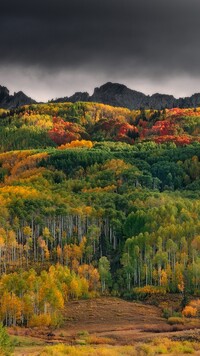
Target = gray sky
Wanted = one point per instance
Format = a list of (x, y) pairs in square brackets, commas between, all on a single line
[(54, 48)]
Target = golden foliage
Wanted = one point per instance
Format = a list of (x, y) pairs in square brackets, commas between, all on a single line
[(40, 320), (150, 290), (76, 144), (189, 311), (24, 192)]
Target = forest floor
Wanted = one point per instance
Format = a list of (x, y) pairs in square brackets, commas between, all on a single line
[(106, 321)]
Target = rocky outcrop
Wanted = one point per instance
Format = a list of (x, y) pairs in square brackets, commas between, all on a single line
[(113, 94), (160, 101), (8, 101), (119, 95), (190, 101), (78, 96)]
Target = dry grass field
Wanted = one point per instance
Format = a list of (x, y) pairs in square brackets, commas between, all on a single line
[(106, 322)]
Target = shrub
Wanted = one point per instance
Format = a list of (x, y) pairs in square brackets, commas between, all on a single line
[(80, 341), (83, 333), (189, 311), (56, 320), (175, 320), (40, 320), (167, 313), (144, 292), (196, 304), (6, 345), (76, 144)]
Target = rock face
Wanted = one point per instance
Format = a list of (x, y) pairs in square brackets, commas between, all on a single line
[(161, 101), (78, 96), (8, 101), (113, 94), (191, 101), (119, 95)]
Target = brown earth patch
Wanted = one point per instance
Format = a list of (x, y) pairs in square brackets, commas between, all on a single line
[(123, 322)]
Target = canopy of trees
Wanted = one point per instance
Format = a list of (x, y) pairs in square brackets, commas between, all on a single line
[(113, 208)]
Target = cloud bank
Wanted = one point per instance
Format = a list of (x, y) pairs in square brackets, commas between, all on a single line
[(53, 48)]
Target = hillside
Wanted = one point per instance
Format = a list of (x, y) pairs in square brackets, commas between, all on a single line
[(53, 124), (96, 200)]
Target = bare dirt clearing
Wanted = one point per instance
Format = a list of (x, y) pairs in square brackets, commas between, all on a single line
[(125, 322), (111, 321)]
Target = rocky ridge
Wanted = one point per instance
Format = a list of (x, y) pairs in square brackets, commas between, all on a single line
[(113, 94), (8, 101)]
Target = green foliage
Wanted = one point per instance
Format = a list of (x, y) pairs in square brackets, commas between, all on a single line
[(128, 206), (6, 346), (104, 271), (31, 299), (45, 125)]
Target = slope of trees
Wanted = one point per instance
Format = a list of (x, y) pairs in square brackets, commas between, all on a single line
[(53, 124), (94, 216)]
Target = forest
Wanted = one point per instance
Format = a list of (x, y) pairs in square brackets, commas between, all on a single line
[(96, 200)]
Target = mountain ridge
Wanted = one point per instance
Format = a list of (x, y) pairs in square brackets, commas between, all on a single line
[(8, 101), (114, 94)]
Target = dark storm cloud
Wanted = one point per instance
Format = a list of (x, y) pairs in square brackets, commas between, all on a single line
[(160, 36), (53, 48)]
